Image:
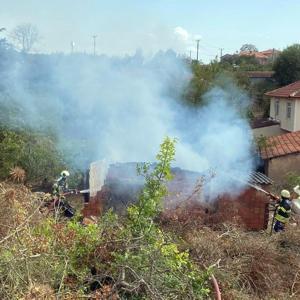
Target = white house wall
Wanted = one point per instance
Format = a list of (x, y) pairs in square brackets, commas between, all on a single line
[(297, 115), (289, 124)]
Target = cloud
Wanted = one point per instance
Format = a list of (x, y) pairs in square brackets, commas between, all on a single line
[(181, 33)]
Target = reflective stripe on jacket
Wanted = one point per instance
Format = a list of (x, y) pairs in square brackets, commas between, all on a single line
[(283, 211)]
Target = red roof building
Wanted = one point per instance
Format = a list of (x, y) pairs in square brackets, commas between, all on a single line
[(263, 57), (282, 155), (285, 106), (289, 91)]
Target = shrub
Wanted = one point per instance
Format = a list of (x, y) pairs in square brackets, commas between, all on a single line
[(35, 153)]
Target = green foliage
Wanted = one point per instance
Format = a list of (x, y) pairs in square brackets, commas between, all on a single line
[(257, 92), (262, 142), (249, 47), (154, 258), (149, 203), (142, 261), (287, 65), (11, 148), (292, 179), (35, 153), (208, 76), (244, 63)]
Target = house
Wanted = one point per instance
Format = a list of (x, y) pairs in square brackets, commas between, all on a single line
[(285, 106), (271, 53), (122, 186), (260, 76), (282, 155), (263, 57), (284, 112)]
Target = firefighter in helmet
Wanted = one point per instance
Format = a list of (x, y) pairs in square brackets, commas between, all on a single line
[(283, 211), (61, 184)]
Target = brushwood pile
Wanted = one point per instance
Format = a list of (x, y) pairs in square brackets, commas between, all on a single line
[(44, 259)]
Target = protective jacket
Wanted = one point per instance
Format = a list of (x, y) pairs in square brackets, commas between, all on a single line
[(62, 183), (283, 211)]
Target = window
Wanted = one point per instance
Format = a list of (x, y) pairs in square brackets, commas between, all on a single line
[(276, 107), (289, 110)]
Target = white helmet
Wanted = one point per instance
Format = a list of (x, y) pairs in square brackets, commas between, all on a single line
[(285, 194), (65, 173), (297, 190)]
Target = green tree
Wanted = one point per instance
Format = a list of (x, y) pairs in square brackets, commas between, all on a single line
[(249, 48), (153, 259), (287, 65), (257, 92)]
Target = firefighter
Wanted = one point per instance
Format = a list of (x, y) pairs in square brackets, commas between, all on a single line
[(62, 181), (283, 211), (58, 189), (60, 186)]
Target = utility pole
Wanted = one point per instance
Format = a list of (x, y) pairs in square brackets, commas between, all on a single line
[(72, 47), (190, 55), (221, 53), (198, 41), (94, 37)]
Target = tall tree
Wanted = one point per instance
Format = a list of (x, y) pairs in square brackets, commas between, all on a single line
[(248, 48), (25, 36), (287, 65)]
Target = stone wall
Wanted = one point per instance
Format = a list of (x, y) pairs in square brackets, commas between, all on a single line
[(278, 167)]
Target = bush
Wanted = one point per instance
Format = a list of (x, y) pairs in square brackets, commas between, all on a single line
[(131, 257), (35, 153)]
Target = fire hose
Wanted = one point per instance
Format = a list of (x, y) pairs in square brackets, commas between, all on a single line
[(216, 287)]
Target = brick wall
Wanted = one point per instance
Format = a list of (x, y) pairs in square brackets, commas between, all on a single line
[(248, 209)]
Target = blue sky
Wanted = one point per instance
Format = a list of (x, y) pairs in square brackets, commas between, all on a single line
[(123, 26)]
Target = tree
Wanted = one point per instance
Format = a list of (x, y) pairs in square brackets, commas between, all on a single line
[(248, 48), (287, 65), (25, 36)]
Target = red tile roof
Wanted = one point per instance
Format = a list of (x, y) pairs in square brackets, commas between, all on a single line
[(270, 52), (255, 54), (289, 91), (282, 145)]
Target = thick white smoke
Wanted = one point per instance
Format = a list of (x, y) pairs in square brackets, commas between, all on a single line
[(120, 109)]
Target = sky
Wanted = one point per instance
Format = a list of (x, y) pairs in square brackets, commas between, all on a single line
[(123, 26)]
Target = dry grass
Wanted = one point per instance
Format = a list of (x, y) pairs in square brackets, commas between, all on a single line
[(249, 265), (17, 203), (17, 174)]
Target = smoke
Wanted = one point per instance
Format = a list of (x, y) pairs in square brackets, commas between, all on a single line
[(120, 109)]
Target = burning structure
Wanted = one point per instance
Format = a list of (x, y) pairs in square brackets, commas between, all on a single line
[(117, 185)]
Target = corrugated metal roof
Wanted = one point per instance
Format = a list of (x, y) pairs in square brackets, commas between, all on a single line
[(259, 178)]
